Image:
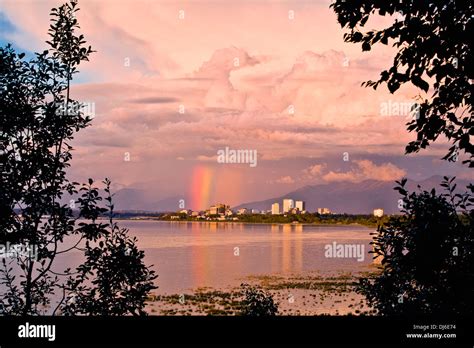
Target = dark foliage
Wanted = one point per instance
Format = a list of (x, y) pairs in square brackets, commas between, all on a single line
[(38, 121), (433, 39), (113, 280), (257, 303), (428, 255)]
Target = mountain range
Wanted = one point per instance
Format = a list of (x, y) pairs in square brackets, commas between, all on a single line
[(352, 198), (339, 197)]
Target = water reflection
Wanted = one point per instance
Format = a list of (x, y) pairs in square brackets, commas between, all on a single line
[(191, 255)]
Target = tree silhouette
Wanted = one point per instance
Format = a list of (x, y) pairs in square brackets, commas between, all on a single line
[(433, 39), (428, 255), (428, 252), (38, 121), (257, 303)]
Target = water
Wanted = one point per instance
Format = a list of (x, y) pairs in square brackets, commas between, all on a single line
[(188, 255)]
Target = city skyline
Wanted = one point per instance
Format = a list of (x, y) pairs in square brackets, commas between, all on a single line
[(170, 93), (236, 159)]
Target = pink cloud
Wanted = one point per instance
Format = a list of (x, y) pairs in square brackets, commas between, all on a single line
[(365, 170), (314, 171), (285, 180), (189, 65)]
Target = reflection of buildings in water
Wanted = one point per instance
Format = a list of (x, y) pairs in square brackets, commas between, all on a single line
[(274, 247), (286, 249), (206, 260), (213, 226), (292, 248), (199, 257), (298, 257), (176, 225), (298, 228)]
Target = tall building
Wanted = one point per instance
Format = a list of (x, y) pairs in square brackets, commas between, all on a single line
[(242, 211), (300, 205), (378, 212), (288, 204), (324, 211), (275, 209), (218, 209)]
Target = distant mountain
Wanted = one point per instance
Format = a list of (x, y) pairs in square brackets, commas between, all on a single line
[(351, 198)]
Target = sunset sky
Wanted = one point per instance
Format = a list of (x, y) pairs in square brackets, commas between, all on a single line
[(174, 82)]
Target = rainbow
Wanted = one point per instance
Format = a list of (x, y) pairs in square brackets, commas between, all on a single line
[(201, 186)]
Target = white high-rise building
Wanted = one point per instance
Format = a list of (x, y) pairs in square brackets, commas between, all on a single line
[(378, 212), (300, 205), (288, 204), (275, 209), (324, 211), (242, 211)]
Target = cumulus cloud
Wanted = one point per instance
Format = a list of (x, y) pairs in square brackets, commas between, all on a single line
[(314, 171), (234, 89), (223, 61), (154, 100), (285, 180), (365, 170), (189, 117), (196, 85)]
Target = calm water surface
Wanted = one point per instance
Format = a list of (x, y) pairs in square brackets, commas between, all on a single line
[(187, 255)]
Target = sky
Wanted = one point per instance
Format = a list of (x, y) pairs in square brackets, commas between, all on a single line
[(172, 83)]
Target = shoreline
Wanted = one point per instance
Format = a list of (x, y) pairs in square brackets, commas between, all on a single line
[(299, 294), (245, 222)]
